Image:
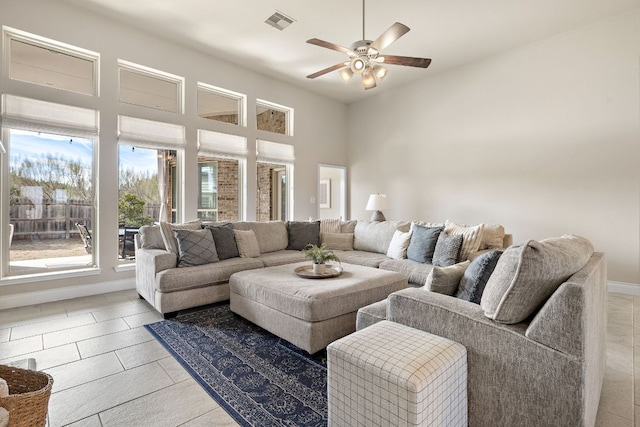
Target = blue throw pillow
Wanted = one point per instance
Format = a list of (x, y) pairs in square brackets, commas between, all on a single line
[(423, 243), (476, 276)]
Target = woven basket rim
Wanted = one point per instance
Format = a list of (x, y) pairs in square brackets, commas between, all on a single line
[(45, 389)]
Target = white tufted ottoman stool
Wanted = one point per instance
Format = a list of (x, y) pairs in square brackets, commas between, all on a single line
[(389, 374)]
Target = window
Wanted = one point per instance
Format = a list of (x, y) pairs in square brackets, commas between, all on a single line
[(150, 88), (221, 105), (274, 118), (148, 158), (51, 194), (221, 166), (275, 181), (49, 63)]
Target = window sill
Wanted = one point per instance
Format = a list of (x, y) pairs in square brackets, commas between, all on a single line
[(41, 277), (125, 267)]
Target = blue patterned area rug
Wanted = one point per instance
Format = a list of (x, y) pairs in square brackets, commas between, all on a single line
[(258, 378)]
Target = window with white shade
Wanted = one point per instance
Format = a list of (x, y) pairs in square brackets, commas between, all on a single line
[(46, 62), (221, 174), (274, 172), (147, 87), (51, 191), (221, 105), (148, 185)]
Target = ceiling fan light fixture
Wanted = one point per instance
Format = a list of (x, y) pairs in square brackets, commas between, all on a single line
[(380, 72), (358, 65), (346, 74), (368, 81)]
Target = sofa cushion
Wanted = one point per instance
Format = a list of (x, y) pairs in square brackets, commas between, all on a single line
[(368, 259), (247, 243), (225, 240), (348, 226), (475, 277), (195, 247), (166, 230), (375, 236), (492, 237), (526, 275), (447, 249), (416, 272), (445, 280), (151, 237), (303, 233), (338, 241), (281, 257), (399, 244), (271, 235), (471, 237), (423, 242)]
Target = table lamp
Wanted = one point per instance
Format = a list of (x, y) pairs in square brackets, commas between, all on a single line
[(376, 203)]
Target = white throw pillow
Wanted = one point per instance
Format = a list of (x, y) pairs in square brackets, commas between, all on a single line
[(399, 244), (247, 243), (492, 236), (471, 237)]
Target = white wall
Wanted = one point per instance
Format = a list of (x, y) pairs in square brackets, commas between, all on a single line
[(319, 135), (544, 139)]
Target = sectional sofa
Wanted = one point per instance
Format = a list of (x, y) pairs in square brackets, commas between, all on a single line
[(170, 285)]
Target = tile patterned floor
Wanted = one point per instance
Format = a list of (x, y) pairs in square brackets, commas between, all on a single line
[(109, 371)]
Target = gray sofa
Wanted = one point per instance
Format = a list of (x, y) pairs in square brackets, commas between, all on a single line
[(544, 370), (170, 288)]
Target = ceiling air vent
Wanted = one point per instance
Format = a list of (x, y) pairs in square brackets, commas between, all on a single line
[(279, 20)]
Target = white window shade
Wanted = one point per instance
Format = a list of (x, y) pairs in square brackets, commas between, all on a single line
[(268, 151), (221, 144), (42, 116), (135, 131)]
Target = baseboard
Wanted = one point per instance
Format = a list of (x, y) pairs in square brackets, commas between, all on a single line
[(69, 292), (623, 288)]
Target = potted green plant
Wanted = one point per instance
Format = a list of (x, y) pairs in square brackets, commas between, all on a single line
[(319, 255)]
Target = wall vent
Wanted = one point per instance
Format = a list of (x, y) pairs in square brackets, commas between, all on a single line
[(279, 20)]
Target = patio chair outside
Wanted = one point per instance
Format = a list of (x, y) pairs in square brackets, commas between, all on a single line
[(85, 235)]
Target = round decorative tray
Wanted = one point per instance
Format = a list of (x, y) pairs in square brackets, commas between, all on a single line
[(306, 271)]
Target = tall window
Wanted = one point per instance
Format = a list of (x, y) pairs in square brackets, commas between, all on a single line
[(221, 105), (221, 166), (275, 118), (148, 159), (275, 181)]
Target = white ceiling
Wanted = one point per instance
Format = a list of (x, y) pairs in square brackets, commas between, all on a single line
[(450, 32)]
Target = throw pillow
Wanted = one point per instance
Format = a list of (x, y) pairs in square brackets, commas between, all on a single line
[(348, 226), (166, 230), (330, 225), (445, 280), (471, 237), (225, 240), (447, 249), (303, 233), (247, 243), (399, 244), (423, 243), (338, 241), (475, 278), (492, 237), (526, 276), (195, 247), (151, 237)]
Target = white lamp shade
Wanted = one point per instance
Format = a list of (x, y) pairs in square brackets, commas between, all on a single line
[(377, 202)]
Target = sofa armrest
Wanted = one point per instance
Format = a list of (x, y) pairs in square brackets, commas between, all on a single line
[(513, 380), (150, 262)]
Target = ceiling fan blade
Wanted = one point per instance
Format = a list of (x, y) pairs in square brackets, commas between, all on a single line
[(326, 70), (331, 46), (392, 34), (406, 60)]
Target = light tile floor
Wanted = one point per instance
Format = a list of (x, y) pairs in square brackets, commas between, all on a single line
[(109, 371)]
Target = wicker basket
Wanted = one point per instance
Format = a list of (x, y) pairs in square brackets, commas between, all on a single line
[(28, 398)]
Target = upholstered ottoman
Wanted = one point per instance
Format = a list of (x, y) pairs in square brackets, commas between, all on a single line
[(309, 313), (389, 374)]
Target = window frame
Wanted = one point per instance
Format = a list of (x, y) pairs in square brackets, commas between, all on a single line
[(156, 74), (288, 114), (11, 34), (226, 93)]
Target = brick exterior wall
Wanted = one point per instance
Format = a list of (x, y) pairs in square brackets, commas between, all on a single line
[(227, 190), (263, 205), (272, 121)]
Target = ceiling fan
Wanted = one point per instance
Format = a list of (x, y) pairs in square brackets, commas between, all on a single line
[(365, 56)]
